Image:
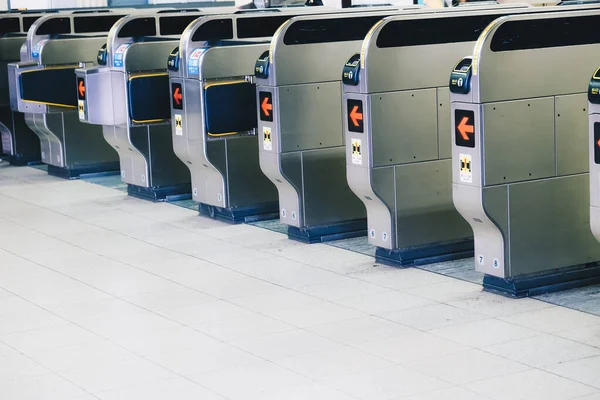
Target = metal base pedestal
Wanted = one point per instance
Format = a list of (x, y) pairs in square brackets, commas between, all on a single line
[(427, 254), (20, 160), (103, 169), (242, 214), (327, 233), (161, 193), (553, 281)]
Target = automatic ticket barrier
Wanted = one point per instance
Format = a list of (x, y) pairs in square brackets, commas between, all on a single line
[(129, 97), (397, 121), (19, 144), (594, 152), (213, 112), (519, 145), (45, 90), (301, 136)]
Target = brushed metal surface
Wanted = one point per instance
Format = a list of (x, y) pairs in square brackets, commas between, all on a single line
[(246, 184), (133, 142), (285, 171), (83, 143), (148, 56), (327, 198), (519, 140), (540, 221), (571, 122), (424, 210), (403, 127), (532, 81), (99, 107), (444, 123), (549, 225), (310, 116), (70, 50)]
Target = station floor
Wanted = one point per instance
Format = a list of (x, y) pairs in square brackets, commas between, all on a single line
[(103, 296)]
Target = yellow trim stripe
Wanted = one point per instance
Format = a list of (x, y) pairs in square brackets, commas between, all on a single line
[(232, 82), (146, 121), (50, 68), (49, 104), (221, 134), (147, 75)]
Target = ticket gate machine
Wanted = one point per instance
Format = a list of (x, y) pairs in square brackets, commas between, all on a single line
[(45, 90), (301, 137), (213, 112), (519, 145), (129, 97), (18, 143), (594, 152), (397, 122)]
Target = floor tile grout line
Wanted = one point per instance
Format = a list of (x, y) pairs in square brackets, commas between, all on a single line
[(283, 256), (221, 266), (244, 307), (163, 316), (109, 340), (50, 370)]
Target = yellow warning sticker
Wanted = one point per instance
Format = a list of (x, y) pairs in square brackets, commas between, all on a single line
[(466, 168), (81, 108), (267, 142), (356, 152), (178, 125)]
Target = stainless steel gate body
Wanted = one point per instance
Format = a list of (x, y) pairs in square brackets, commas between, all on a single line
[(398, 154), (45, 90), (301, 141), (519, 145), (594, 152), (213, 119), (17, 141), (128, 97)]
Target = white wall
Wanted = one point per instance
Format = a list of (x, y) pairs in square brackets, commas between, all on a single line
[(44, 4)]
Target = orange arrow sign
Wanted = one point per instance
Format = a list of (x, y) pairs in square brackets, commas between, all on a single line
[(266, 107), (465, 129), (355, 116), (177, 96), (81, 89)]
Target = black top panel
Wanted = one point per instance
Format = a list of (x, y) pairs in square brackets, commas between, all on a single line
[(260, 26), (216, 29), (179, 10), (138, 27), (28, 21), (10, 25), (100, 23), (544, 33), (420, 32), (91, 11), (330, 30), (175, 25), (38, 12), (54, 26)]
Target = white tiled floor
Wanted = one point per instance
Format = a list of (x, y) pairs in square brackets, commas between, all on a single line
[(103, 296)]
